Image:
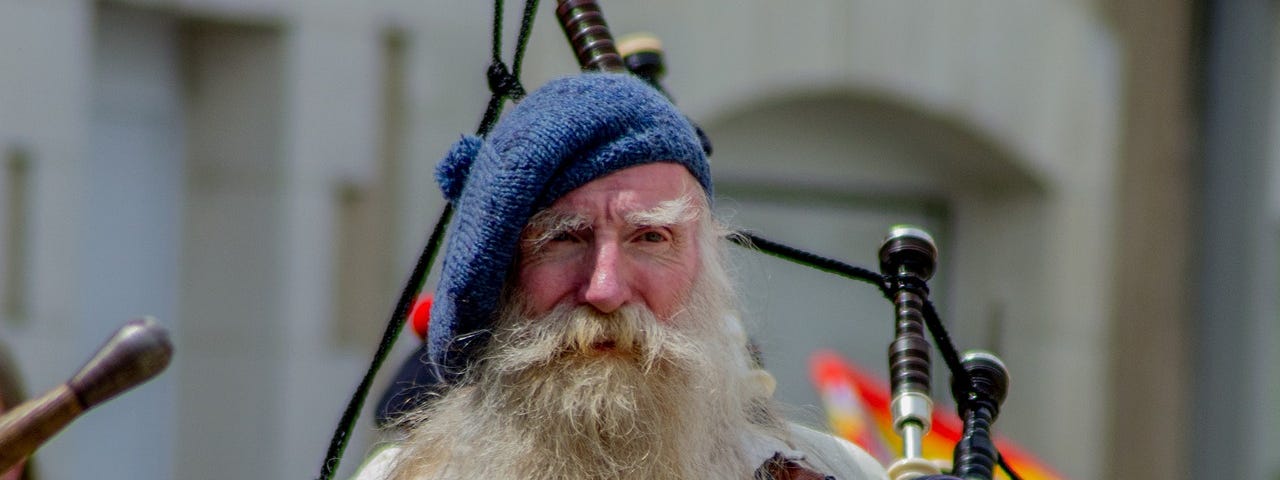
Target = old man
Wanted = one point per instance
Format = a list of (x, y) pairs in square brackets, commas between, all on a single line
[(585, 320)]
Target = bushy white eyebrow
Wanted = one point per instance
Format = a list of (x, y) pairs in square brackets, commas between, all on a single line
[(667, 213), (549, 224)]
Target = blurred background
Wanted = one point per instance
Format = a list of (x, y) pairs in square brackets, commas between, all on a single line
[(257, 174)]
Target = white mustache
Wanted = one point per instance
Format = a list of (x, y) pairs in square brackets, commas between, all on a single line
[(581, 331)]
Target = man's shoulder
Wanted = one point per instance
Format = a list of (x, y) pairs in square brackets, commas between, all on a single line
[(377, 466), (835, 455)]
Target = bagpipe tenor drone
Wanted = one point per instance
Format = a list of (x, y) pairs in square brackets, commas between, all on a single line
[(908, 258)]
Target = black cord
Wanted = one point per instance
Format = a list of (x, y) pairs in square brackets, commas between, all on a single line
[(526, 28), (501, 82), (495, 43), (503, 86), (1007, 469), (341, 436), (505, 83), (811, 260), (945, 345)]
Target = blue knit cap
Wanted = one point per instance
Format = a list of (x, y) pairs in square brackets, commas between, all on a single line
[(567, 133)]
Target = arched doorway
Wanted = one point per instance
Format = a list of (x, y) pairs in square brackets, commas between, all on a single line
[(830, 172)]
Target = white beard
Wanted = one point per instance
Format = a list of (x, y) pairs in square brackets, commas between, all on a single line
[(576, 394)]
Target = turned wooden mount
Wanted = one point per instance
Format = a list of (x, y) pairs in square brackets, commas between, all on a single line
[(137, 352)]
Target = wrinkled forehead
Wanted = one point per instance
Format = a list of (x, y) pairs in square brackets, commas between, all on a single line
[(650, 195), (634, 190)]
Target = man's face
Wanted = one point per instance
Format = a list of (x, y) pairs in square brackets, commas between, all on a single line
[(629, 237)]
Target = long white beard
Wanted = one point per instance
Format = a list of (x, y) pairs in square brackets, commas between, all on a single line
[(576, 394)]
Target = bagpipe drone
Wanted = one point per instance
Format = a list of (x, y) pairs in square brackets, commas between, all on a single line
[(907, 257)]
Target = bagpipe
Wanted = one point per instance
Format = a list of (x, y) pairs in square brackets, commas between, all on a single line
[(908, 257)]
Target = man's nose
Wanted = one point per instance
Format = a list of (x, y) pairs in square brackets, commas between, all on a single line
[(607, 288)]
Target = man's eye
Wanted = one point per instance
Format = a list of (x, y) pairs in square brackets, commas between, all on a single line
[(653, 237), (562, 237)]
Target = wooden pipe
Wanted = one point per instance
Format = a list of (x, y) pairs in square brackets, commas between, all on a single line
[(584, 26)]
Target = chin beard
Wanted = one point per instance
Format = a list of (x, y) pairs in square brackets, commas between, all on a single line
[(579, 394)]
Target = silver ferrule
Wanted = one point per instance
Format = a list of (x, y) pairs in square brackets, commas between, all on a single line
[(912, 414), (911, 407)]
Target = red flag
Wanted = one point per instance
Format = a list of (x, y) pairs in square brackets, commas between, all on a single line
[(857, 406)]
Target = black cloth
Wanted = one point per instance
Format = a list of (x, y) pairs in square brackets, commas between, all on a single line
[(414, 384)]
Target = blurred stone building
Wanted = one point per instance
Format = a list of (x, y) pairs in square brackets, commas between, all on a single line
[(257, 175)]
